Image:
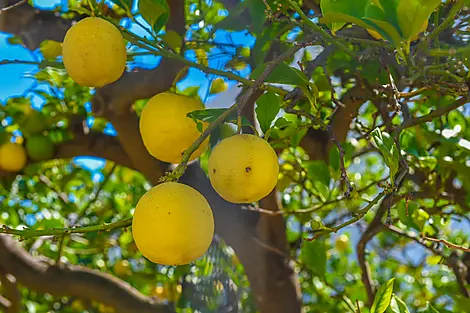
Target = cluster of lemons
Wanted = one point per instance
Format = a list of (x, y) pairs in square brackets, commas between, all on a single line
[(37, 146), (173, 223)]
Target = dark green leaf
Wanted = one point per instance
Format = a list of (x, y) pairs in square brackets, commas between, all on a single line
[(383, 297), (313, 255), (267, 107), (257, 13), (155, 12), (319, 174), (282, 74)]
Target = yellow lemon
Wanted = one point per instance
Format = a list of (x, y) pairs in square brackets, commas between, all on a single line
[(50, 49), (243, 168), (12, 157), (173, 224), (342, 243), (94, 52), (218, 86), (166, 130), (122, 268), (377, 36)]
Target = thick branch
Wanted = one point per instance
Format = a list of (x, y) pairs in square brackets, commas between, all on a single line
[(74, 281)]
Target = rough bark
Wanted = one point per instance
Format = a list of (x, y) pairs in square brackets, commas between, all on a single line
[(71, 280)]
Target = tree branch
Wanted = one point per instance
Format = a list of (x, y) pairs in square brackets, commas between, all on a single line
[(76, 281)]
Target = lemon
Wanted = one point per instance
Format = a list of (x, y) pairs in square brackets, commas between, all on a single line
[(39, 148), (166, 130), (218, 86), (33, 122), (94, 52), (342, 243), (50, 49), (122, 268), (377, 36), (243, 168), (12, 157), (173, 224)]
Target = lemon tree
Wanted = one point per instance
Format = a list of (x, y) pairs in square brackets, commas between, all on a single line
[(332, 176)]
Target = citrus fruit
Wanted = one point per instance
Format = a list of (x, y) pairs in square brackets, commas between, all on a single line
[(166, 130), (39, 148), (342, 243), (12, 157), (377, 36), (94, 52), (218, 86), (50, 49), (33, 123), (122, 268), (243, 168), (172, 224)]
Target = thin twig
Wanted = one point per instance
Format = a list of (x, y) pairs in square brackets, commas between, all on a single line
[(13, 6), (320, 30), (318, 122), (447, 21), (244, 99), (303, 267), (436, 113), (447, 243), (30, 233)]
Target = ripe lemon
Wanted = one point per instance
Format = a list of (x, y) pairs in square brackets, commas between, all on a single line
[(39, 148), (94, 52), (243, 168), (173, 224), (166, 130), (12, 157), (377, 36)]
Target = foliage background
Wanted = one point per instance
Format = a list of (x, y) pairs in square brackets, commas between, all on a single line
[(433, 199)]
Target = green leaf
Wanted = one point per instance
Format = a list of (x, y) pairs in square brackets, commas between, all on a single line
[(125, 4), (319, 174), (282, 74), (267, 107), (413, 13), (258, 16), (462, 304), (326, 8), (429, 162), (389, 150), (313, 255), (383, 297), (398, 305), (210, 115), (154, 12)]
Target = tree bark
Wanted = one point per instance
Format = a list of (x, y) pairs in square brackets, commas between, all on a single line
[(71, 280)]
